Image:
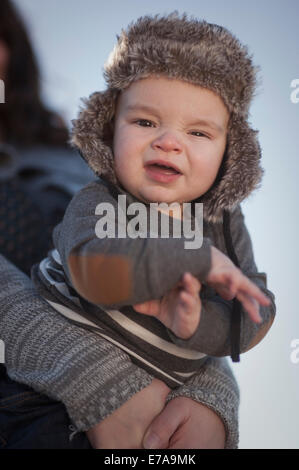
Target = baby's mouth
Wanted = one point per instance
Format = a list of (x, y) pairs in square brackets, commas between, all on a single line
[(162, 172), (167, 170), (161, 166)]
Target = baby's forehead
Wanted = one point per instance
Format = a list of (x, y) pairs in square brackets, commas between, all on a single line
[(177, 98)]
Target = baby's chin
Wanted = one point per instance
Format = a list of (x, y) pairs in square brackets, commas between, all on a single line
[(158, 200), (156, 196), (169, 198), (166, 200)]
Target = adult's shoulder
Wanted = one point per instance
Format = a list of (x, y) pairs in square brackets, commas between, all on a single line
[(55, 165)]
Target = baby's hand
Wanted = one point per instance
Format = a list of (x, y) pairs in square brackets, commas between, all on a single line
[(179, 309), (230, 282)]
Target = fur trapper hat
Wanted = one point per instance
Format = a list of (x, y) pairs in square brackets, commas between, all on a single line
[(199, 53)]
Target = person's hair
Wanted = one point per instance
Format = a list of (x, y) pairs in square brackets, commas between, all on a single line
[(24, 119)]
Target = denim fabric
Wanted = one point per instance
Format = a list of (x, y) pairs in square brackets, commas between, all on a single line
[(30, 420)]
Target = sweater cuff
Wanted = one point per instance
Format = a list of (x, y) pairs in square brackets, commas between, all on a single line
[(216, 388), (212, 337), (200, 269), (107, 398)]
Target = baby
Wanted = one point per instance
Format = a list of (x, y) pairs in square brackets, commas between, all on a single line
[(170, 128)]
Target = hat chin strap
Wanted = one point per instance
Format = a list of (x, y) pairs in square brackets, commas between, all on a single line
[(237, 308)]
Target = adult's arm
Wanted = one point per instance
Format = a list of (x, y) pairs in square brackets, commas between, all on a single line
[(89, 375), (48, 353)]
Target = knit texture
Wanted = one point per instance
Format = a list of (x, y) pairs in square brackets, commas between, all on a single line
[(216, 388), (21, 238), (89, 375)]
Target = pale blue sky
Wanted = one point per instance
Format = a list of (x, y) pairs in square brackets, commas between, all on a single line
[(73, 39)]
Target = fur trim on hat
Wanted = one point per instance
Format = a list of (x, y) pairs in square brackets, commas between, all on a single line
[(240, 172), (92, 133), (185, 49), (199, 53)]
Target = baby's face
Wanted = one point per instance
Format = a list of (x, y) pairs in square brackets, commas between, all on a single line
[(160, 121)]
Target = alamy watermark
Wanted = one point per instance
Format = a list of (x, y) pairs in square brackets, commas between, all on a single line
[(153, 223), (2, 92), (295, 93), (2, 352), (294, 356)]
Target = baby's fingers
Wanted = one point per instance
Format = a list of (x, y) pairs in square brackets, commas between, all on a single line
[(254, 291), (187, 301), (191, 284), (251, 306), (151, 307), (251, 297)]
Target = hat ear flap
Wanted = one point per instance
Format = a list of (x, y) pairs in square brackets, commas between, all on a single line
[(240, 172), (92, 132)]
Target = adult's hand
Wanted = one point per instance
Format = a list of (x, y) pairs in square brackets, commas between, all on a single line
[(185, 424)]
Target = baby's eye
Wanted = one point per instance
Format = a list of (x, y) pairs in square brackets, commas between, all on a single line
[(144, 123), (198, 134)]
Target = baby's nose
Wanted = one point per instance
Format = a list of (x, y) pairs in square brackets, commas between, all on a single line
[(168, 142)]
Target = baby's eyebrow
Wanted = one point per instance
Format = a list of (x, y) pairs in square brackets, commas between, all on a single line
[(207, 123), (141, 107), (150, 109)]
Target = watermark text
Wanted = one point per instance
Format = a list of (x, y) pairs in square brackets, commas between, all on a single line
[(157, 220), (295, 93), (2, 92), (2, 352), (294, 356)]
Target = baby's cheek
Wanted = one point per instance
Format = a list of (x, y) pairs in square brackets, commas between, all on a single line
[(119, 161)]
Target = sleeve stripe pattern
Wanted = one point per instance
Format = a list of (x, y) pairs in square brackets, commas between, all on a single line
[(148, 346)]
